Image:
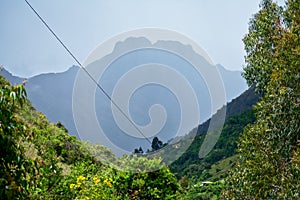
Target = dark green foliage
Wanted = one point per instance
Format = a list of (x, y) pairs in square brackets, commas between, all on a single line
[(138, 151), (191, 166), (216, 165), (156, 144)]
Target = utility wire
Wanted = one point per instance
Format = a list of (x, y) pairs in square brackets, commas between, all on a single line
[(85, 70)]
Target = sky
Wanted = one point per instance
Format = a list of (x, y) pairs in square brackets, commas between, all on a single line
[(28, 48)]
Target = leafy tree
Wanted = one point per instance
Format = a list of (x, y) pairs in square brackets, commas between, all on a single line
[(269, 164), (156, 144), (13, 164), (145, 179), (141, 150)]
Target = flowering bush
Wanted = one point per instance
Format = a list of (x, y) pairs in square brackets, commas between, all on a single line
[(108, 183), (94, 186)]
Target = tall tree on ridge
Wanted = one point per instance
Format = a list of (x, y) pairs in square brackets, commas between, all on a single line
[(269, 164)]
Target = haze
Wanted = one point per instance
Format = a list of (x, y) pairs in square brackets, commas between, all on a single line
[(27, 47)]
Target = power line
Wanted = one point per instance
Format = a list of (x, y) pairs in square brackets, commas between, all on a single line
[(85, 70)]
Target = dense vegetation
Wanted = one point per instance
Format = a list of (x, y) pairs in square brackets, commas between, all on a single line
[(192, 167), (204, 178), (40, 160), (269, 163)]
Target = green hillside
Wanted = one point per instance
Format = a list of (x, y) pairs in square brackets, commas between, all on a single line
[(40, 160), (192, 167)]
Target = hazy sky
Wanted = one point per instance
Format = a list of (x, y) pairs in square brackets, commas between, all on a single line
[(27, 47)]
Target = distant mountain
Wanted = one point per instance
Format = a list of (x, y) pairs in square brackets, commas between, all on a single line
[(52, 93), (11, 78), (233, 81)]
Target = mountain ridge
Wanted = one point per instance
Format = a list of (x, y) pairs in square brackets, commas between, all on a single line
[(52, 93), (38, 85)]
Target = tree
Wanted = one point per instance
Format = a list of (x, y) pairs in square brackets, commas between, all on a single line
[(143, 178), (141, 150), (61, 126), (269, 164), (13, 164), (156, 144), (138, 151)]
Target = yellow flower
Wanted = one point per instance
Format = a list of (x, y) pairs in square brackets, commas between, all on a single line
[(96, 180), (72, 186), (80, 178), (108, 182)]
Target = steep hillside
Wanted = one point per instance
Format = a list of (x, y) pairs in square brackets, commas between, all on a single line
[(239, 114), (52, 95)]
